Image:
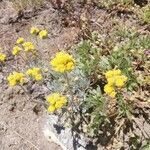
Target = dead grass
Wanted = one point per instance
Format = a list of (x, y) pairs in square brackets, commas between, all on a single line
[(23, 4)]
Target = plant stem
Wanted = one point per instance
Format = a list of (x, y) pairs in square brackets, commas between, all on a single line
[(69, 88)]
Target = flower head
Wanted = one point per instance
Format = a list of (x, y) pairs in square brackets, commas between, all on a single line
[(113, 94), (34, 30), (20, 40), (16, 78), (114, 79), (16, 50), (28, 46), (108, 89), (121, 80), (2, 57), (51, 108), (111, 81), (63, 62), (56, 101), (35, 73), (112, 73), (43, 34)]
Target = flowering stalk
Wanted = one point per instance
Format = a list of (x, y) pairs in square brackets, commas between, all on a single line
[(72, 105), (38, 45), (69, 88)]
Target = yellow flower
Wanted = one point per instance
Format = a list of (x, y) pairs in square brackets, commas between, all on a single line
[(20, 40), (113, 94), (52, 98), (16, 50), (108, 89), (28, 46), (60, 104), (120, 81), (38, 77), (56, 101), (114, 79), (43, 34), (116, 72), (2, 57), (16, 78), (51, 108), (34, 30), (63, 62), (112, 73), (111, 81), (35, 73), (109, 74)]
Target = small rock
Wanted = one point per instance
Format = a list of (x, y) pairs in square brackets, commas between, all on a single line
[(64, 137)]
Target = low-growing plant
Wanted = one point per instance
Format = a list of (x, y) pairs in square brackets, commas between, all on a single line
[(89, 87), (144, 14)]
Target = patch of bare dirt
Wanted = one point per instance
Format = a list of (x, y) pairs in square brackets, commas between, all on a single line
[(20, 126)]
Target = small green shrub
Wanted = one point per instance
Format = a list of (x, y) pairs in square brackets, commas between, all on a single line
[(144, 14)]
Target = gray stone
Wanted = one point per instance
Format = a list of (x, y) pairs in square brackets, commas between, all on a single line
[(63, 135)]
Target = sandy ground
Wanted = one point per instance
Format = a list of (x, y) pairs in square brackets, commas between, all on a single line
[(20, 126)]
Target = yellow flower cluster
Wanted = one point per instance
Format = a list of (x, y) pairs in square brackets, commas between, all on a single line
[(114, 79), (56, 101), (28, 47), (20, 40), (63, 62), (35, 73), (16, 50), (34, 30), (2, 57), (42, 33), (16, 78)]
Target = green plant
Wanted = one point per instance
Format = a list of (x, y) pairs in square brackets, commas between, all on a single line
[(96, 104), (144, 14), (88, 57), (125, 109), (146, 146), (92, 88)]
